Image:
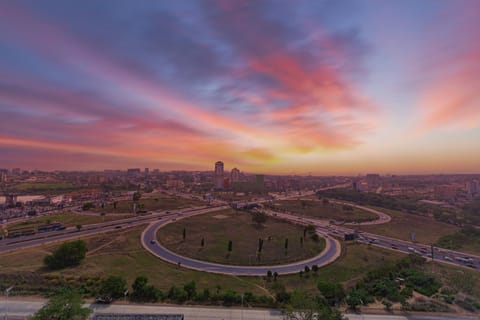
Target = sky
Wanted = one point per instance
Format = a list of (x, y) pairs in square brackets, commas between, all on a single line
[(283, 87)]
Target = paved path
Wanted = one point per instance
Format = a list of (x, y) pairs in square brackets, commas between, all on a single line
[(329, 254)]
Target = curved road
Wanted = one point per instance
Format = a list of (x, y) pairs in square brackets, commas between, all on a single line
[(329, 254)]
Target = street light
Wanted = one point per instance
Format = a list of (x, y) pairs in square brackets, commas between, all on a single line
[(7, 291)]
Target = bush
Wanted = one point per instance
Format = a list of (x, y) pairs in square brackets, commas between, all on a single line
[(143, 292), (113, 287), (333, 292), (67, 255)]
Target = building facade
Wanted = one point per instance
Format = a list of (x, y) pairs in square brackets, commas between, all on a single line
[(218, 175)]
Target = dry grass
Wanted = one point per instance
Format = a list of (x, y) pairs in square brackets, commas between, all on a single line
[(320, 210), (244, 234), (427, 230)]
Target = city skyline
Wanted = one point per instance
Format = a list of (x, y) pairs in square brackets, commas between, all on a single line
[(327, 87)]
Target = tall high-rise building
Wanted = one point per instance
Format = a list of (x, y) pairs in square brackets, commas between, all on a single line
[(235, 175), (218, 175)]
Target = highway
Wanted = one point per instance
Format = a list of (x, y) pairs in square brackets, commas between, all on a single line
[(11, 244), (439, 254), (329, 254), (322, 226)]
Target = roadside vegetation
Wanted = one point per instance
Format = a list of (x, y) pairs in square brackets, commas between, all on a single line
[(468, 215), (148, 202), (425, 229), (465, 240), (324, 210)]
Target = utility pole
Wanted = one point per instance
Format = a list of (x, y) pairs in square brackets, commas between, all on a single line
[(242, 306), (7, 291)]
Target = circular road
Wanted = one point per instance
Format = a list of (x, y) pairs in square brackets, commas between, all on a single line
[(149, 241)]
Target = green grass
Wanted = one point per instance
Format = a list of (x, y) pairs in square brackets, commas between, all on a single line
[(464, 240), (153, 202), (219, 227), (318, 209), (427, 230)]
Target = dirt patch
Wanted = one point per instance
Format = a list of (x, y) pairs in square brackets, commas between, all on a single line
[(220, 216)]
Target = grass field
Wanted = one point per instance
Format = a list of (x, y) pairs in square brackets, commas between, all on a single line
[(118, 253), (219, 227), (356, 260), (154, 202), (427, 230), (121, 253), (67, 219), (325, 211)]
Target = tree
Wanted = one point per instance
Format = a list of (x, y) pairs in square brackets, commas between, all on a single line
[(259, 217), (79, 227), (230, 244), (301, 242), (332, 292), (184, 234), (115, 205), (191, 289), (304, 204), (275, 275), (202, 243), (114, 287), (354, 300), (304, 306), (144, 292), (286, 244), (325, 201), (260, 245), (307, 269), (66, 305), (136, 196), (67, 255)]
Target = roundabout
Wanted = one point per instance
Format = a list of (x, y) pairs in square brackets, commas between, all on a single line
[(148, 239)]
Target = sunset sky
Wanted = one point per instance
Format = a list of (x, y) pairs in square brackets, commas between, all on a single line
[(321, 87)]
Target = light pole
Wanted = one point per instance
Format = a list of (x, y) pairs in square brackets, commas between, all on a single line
[(242, 306), (7, 291)]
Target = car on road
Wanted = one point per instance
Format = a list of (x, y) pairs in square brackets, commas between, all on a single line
[(103, 300), (118, 227), (152, 241)]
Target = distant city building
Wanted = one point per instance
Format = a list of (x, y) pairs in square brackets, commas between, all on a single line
[(11, 199), (218, 175), (445, 192), (235, 175), (472, 188), (133, 170), (147, 171), (373, 180), (3, 177), (175, 183)]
